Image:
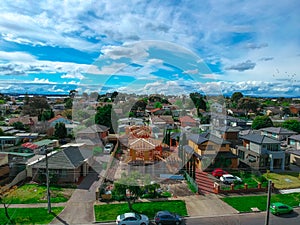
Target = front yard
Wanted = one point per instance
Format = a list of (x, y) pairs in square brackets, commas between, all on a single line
[(284, 180), (33, 193), (109, 212)]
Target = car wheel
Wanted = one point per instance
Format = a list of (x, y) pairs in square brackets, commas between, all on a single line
[(277, 214), (159, 224), (177, 223), (143, 224)]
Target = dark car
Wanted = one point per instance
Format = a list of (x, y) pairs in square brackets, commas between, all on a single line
[(166, 217)]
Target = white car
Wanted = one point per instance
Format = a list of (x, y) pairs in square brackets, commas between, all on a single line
[(132, 218), (229, 179), (108, 148)]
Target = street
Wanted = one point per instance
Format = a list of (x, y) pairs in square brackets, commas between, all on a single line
[(247, 219)]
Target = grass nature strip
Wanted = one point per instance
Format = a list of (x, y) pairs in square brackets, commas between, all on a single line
[(109, 212), (29, 215), (245, 203)]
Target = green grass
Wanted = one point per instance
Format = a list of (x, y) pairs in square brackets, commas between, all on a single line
[(244, 204), (284, 180), (109, 212), (32, 193), (29, 215)]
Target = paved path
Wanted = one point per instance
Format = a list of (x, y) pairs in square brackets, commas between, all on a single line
[(288, 191)]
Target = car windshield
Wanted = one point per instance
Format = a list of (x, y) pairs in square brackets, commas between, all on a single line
[(138, 216)]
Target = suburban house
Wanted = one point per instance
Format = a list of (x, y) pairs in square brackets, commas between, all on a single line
[(294, 141), (8, 141), (38, 145), (262, 152), (279, 133), (58, 119), (188, 121), (95, 131), (227, 133), (26, 120), (162, 121), (68, 165), (207, 150), (294, 149)]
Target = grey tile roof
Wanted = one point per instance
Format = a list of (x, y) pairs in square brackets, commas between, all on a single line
[(295, 137), (259, 139), (68, 158), (214, 138), (197, 139), (278, 130), (96, 128)]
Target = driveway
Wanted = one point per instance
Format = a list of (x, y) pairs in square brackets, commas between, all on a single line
[(80, 207)]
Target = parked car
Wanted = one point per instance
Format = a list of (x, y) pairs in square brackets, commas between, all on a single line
[(229, 179), (166, 217), (278, 208), (132, 218), (108, 148), (218, 172)]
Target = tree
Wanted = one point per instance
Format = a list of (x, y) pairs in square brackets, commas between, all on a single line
[(248, 104), (261, 122), (60, 130), (198, 100), (107, 117), (18, 125), (236, 96), (68, 103), (46, 115), (36, 106), (5, 206), (131, 186), (293, 125), (157, 105)]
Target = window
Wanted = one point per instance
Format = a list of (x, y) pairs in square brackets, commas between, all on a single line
[(241, 154)]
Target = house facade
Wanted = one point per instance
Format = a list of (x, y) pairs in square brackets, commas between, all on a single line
[(67, 165), (207, 151), (278, 133), (262, 153)]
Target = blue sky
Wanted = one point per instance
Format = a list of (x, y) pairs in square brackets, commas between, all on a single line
[(169, 47)]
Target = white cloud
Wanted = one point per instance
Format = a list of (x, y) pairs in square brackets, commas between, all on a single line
[(42, 81)]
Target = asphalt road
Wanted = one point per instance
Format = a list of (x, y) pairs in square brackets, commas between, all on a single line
[(247, 219), (244, 219)]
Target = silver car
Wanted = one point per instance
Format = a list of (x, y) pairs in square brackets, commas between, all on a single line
[(132, 218), (229, 179)]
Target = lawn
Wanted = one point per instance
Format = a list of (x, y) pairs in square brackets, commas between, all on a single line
[(285, 180), (109, 212), (32, 193), (29, 215), (244, 204)]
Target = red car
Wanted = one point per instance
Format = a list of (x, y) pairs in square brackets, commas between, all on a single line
[(218, 172)]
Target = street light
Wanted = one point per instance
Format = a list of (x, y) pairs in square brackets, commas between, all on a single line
[(44, 151)]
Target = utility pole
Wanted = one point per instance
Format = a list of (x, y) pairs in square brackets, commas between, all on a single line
[(44, 151), (268, 202)]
